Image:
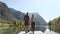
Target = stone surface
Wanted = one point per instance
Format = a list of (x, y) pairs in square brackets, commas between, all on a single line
[(35, 32)]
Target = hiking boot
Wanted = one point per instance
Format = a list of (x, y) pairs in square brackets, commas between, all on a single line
[(28, 30)]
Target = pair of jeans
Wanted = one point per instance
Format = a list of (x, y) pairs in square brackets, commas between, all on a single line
[(33, 26)]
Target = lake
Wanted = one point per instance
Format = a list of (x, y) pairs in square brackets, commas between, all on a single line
[(45, 29)]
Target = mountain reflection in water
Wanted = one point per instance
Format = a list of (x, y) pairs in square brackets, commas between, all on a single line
[(11, 30), (16, 30)]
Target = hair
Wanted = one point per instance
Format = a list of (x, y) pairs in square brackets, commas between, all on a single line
[(32, 15), (27, 13)]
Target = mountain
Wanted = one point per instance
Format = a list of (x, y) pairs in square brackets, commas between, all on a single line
[(9, 14), (38, 19), (17, 14), (5, 13)]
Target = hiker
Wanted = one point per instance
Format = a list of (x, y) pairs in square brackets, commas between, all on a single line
[(33, 23), (26, 19)]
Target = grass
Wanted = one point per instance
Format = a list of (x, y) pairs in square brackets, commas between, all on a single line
[(18, 23), (4, 25)]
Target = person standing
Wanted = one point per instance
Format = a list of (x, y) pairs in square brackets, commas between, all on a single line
[(33, 23), (26, 19)]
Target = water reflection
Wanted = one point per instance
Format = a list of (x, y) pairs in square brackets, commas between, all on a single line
[(41, 28), (16, 30), (55, 29), (49, 32), (11, 30)]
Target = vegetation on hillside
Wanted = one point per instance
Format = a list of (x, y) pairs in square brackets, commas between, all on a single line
[(14, 23), (55, 21)]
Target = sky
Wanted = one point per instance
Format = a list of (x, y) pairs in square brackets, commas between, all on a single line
[(48, 9)]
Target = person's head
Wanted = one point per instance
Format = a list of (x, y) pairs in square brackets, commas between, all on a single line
[(32, 15), (27, 13)]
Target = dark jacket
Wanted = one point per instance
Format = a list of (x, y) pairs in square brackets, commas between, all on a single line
[(26, 19)]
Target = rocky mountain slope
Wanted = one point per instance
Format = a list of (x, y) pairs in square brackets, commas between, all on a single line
[(5, 13), (10, 14), (38, 19)]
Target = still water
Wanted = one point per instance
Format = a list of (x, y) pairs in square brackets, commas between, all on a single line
[(16, 30)]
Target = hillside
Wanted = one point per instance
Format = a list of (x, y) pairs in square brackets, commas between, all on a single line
[(5, 13), (17, 14), (11, 17), (55, 21), (9, 14)]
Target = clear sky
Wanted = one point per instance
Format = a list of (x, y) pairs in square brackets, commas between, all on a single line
[(48, 9)]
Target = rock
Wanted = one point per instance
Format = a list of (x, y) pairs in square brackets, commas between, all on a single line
[(35, 32)]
